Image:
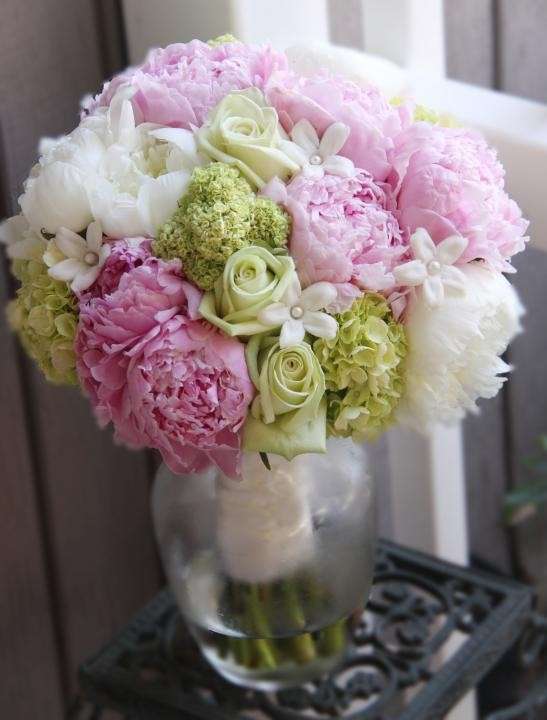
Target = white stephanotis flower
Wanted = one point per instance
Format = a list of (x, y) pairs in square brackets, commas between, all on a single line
[(317, 157), (21, 242), (298, 312), (433, 267), (129, 177), (74, 260)]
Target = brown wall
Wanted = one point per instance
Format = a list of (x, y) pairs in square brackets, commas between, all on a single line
[(76, 550)]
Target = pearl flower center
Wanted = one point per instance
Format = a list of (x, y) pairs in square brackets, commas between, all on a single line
[(297, 312), (91, 258), (434, 267), (316, 160)]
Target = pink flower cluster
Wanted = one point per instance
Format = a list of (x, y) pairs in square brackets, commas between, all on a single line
[(345, 229), (324, 99), (449, 181), (164, 378), (179, 84)]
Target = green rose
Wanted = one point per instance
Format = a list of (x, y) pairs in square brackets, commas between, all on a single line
[(289, 413), (253, 278), (242, 131)]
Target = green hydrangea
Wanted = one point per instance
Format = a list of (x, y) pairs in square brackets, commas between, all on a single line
[(44, 314), (425, 114), (270, 225), (222, 40), (218, 215), (364, 370)]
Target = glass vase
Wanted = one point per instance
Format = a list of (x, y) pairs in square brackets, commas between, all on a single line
[(269, 569)]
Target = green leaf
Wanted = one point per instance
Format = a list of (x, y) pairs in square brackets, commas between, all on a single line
[(275, 438)]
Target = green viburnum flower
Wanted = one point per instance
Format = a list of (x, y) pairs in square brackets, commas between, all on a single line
[(288, 416), (218, 215), (44, 315), (243, 131), (270, 225), (212, 221), (252, 279), (363, 369)]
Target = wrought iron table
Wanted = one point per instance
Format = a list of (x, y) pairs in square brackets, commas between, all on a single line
[(430, 631)]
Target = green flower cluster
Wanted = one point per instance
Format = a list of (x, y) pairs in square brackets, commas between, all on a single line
[(270, 225), (425, 114), (222, 40), (218, 215), (363, 368), (44, 315)]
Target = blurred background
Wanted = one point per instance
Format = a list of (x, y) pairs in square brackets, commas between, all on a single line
[(77, 555)]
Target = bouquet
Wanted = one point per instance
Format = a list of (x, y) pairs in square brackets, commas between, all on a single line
[(237, 251)]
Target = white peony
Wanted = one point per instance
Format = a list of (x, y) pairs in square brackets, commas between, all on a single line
[(128, 177), (21, 242), (454, 349)]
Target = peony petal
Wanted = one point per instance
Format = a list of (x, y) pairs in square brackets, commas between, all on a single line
[(423, 246), (433, 291), (274, 315), (450, 249), (158, 199), (318, 296), (305, 135), (70, 244), (320, 324), (292, 333), (333, 140), (66, 270), (410, 273)]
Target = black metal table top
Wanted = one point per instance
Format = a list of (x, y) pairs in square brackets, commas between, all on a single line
[(430, 631)]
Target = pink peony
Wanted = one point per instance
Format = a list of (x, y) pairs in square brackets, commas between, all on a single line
[(449, 181), (324, 99), (125, 255), (163, 377), (179, 84), (344, 230)]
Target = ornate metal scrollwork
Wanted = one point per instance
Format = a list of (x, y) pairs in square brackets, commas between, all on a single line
[(429, 632)]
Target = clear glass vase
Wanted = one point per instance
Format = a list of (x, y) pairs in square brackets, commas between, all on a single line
[(269, 569)]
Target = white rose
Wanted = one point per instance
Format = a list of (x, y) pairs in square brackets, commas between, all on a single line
[(242, 131)]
